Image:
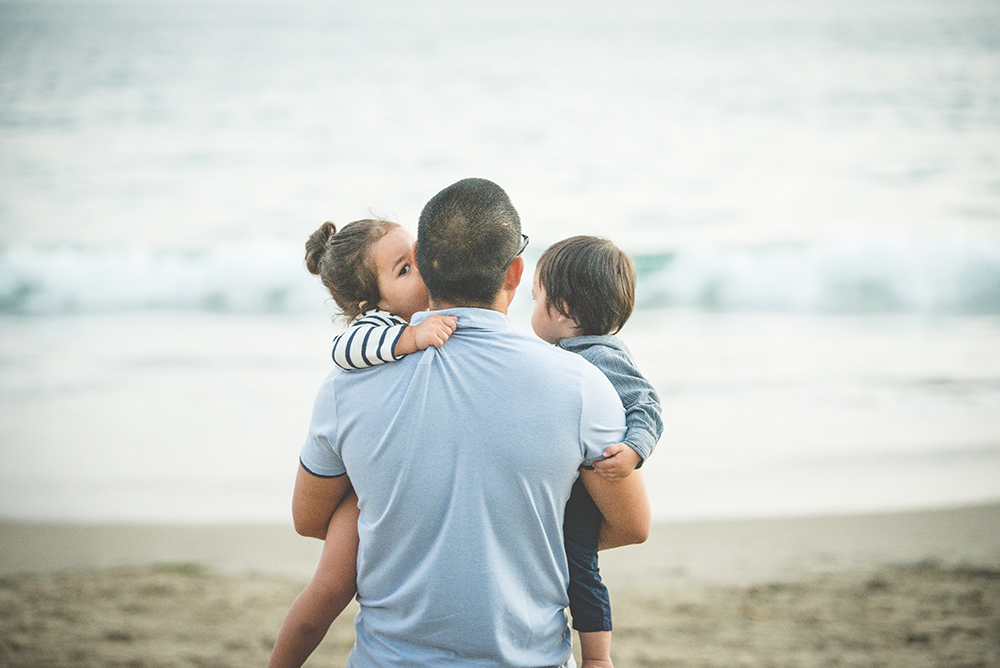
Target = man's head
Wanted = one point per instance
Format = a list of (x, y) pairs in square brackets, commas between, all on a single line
[(468, 235)]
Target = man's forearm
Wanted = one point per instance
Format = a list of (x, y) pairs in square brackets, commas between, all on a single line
[(625, 505)]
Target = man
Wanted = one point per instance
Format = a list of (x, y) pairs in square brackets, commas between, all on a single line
[(462, 459)]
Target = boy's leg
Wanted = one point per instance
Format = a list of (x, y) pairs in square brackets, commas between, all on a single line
[(589, 602), (595, 649), (327, 594)]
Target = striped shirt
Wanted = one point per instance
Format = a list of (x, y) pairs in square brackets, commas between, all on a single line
[(369, 341)]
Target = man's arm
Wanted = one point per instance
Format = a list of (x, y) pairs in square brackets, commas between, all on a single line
[(625, 506), (314, 501)]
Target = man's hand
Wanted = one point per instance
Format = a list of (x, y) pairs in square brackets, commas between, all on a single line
[(433, 331), (620, 461)]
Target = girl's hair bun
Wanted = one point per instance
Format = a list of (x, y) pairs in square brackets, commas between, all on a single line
[(316, 246)]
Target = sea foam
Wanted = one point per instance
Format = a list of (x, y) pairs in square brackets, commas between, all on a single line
[(855, 276)]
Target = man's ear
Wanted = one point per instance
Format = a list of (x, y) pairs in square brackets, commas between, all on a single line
[(514, 273)]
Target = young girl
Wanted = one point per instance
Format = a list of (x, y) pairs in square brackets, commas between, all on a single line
[(369, 269)]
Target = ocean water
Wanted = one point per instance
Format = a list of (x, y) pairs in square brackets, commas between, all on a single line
[(811, 193)]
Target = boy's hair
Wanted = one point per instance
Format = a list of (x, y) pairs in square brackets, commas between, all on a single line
[(591, 281), (467, 235), (341, 260)]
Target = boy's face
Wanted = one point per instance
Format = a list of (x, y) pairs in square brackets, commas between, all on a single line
[(403, 291), (549, 324)]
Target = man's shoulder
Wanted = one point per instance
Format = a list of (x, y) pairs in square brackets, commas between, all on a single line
[(546, 353), (369, 376), (525, 355)]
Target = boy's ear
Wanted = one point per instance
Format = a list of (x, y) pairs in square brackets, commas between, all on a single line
[(561, 314), (562, 317)]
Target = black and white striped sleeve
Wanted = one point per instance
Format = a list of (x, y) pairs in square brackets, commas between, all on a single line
[(369, 341)]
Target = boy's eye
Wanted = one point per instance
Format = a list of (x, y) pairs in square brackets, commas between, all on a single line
[(404, 270)]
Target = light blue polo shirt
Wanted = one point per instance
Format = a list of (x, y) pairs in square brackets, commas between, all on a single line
[(463, 459)]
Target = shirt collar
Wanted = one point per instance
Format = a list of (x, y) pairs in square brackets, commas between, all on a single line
[(577, 343), (470, 318)]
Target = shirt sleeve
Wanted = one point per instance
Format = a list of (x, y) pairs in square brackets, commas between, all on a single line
[(368, 342), (320, 454), (602, 419), (643, 414)]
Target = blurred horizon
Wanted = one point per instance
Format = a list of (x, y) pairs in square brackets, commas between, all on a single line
[(810, 190)]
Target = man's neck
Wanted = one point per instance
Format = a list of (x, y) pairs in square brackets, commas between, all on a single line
[(503, 298), (441, 306), (500, 304)]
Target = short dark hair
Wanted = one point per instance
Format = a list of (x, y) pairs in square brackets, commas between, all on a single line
[(343, 262), (590, 280), (467, 235)]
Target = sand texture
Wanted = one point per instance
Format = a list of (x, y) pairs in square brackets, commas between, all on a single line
[(767, 593)]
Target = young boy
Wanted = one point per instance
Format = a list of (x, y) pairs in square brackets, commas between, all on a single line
[(584, 292)]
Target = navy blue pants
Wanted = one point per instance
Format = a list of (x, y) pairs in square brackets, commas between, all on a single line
[(589, 602)]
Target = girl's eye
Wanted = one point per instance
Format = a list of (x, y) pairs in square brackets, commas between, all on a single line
[(405, 270)]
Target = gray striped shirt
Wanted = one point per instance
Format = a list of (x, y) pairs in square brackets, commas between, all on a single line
[(642, 405)]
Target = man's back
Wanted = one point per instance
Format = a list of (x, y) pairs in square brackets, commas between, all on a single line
[(463, 459)]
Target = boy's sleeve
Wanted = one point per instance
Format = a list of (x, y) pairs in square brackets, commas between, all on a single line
[(602, 421), (368, 342), (643, 419)]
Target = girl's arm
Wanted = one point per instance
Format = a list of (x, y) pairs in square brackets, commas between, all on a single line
[(381, 337), (369, 342)]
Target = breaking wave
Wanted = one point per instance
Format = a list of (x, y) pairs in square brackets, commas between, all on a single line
[(954, 276)]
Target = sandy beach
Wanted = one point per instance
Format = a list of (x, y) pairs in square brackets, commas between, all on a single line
[(900, 589)]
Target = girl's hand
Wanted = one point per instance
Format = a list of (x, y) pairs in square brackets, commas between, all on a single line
[(433, 331), (620, 460)]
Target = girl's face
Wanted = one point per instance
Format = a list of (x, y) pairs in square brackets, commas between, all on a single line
[(403, 291), (549, 324)]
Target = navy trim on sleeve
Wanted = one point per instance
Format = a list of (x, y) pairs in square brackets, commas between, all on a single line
[(317, 475)]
